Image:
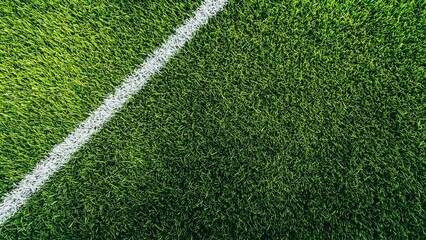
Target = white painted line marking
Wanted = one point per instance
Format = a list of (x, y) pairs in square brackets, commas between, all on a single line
[(62, 152)]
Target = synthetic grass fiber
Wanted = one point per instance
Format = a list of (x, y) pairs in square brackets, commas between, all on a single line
[(280, 119)]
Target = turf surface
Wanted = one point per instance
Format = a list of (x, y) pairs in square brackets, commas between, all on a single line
[(279, 119), (59, 59)]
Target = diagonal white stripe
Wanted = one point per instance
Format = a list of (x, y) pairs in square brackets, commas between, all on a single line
[(62, 152)]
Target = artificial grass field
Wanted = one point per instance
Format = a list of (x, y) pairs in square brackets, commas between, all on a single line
[(59, 59), (278, 120)]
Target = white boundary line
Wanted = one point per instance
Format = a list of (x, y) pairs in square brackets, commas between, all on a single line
[(61, 153)]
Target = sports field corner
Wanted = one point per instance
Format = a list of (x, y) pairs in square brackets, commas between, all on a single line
[(260, 120)]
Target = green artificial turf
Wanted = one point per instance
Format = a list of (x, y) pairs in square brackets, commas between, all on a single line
[(278, 120), (59, 59)]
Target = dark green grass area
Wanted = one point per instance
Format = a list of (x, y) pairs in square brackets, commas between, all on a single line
[(59, 59), (278, 120)]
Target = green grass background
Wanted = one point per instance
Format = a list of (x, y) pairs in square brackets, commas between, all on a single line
[(59, 59), (278, 120)]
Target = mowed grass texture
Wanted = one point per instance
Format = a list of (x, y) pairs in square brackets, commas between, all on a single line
[(59, 59), (278, 120)]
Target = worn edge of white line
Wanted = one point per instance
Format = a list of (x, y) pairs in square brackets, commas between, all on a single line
[(62, 152)]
